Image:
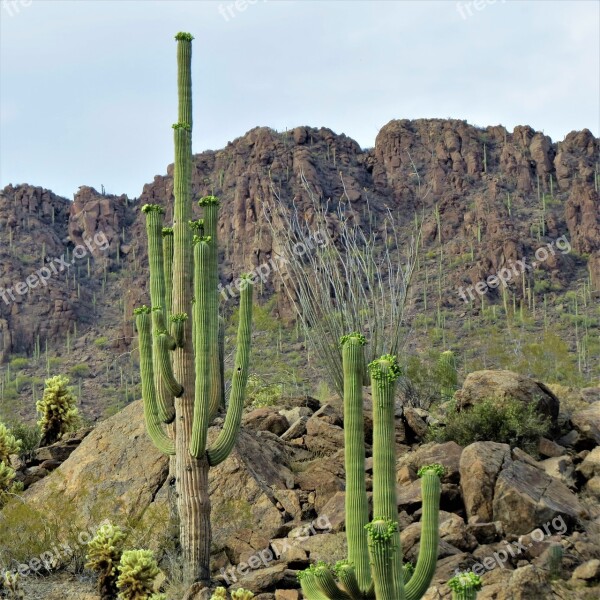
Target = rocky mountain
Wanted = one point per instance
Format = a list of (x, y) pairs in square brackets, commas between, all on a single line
[(71, 271)]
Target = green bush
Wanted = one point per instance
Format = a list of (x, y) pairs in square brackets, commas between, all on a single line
[(259, 393), (101, 341), (80, 370), (491, 420), (29, 435), (19, 363)]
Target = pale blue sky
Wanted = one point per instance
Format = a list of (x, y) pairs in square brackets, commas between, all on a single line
[(88, 95)]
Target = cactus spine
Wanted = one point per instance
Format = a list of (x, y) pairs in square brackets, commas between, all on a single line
[(181, 355), (374, 568)]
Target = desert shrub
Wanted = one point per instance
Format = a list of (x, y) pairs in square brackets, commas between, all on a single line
[(260, 393), (506, 421), (80, 370), (19, 362), (101, 341), (57, 409), (8, 487)]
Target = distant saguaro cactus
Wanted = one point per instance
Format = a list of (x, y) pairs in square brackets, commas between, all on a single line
[(448, 374)]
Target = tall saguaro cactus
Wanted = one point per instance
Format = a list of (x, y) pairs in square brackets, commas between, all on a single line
[(181, 357), (374, 567)]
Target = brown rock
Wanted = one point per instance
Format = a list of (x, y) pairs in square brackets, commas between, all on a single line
[(266, 419), (587, 423), (550, 449), (480, 464), (588, 571), (323, 437), (525, 498)]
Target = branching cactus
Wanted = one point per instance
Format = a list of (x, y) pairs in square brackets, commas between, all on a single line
[(57, 409), (374, 567), (9, 444), (465, 586), (448, 374), (181, 341), (104, 555), (138, 570)]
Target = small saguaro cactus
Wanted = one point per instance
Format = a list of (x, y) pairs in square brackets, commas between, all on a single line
[(465, 586), (374, 567), (104, 555), (555, 558), (448, 374), (57, 409), (181, 341)]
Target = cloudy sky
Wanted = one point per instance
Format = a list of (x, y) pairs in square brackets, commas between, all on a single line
[(88, 94)]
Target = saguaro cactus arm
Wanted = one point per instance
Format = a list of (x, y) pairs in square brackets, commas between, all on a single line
[(167, 241), (357, 508), (210, 205), (228, 436), (428, 548), (381, 549), (384, 373), (153, 422), (202, 324)]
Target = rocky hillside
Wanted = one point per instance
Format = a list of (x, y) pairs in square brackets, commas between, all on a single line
[(486, 196), (278, 500)]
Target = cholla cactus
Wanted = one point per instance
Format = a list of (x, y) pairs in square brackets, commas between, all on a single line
[(57, 409), (465, 586), (374, 566), (242, 594), (7, 483), (220, 593), (138, 569), (8, 443), (9, 583), (104, 554)]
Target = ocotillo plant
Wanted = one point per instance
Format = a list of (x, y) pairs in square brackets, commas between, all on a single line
[(447, 373), (374, 567), (465, 586), (181, 360)]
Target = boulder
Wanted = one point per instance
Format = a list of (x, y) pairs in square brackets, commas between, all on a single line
[(480, 464), (587, 424), (62, 449), (322, 437), (447, 454), (525, 498), (588, 571), (590, 466), (266, 419), (505, 385)]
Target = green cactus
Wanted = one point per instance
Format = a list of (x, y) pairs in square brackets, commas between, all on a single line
[(220, 593), (8, 443), (7, 483), (555, 557), (465, 586), (374, 567), (447, 374), (242, 594), (137, 572), (104, 555), (58, 410), (181, 341)]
